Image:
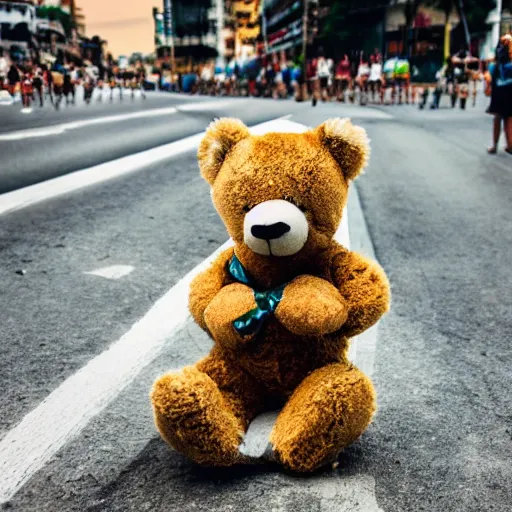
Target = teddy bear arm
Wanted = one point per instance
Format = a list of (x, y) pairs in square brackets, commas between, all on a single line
[(365, 288), (207, 285), (311, 306)]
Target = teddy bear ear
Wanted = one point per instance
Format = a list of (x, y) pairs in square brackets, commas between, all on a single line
[(221, 136), (348, 144)]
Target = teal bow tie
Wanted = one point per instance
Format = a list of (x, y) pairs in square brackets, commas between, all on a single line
[(267, 301)]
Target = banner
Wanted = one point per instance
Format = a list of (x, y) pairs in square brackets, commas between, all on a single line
[(168, 20), (158, 18)]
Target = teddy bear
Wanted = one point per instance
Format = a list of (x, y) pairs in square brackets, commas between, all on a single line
[(281, 305)]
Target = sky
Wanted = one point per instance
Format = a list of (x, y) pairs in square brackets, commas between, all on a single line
[(127, 25)]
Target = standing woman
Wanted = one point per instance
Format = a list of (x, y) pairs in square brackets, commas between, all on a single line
[(501, 94), (342, 78)]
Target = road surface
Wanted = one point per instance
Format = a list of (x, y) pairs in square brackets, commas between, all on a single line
[(92, 311)]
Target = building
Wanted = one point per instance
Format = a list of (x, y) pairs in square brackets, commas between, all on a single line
[(194, 37), (18, 28), (246, 15), (283, 24)]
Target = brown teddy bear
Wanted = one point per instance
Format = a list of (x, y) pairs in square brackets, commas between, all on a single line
[(281, 305)]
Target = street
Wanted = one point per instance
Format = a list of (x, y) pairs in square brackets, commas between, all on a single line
[(92, 304)]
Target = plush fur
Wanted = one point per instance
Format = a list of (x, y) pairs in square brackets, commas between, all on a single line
[(299, 358)]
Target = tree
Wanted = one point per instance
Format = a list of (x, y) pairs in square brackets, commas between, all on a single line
[(53, 13), (447, 6), (347, 20), (473, 14), (411, 8), (477, 12)]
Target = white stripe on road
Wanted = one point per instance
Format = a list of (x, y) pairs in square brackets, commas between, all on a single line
[(99, 173), (58, 129), (207, 105), (67, 410), (33, 194), (112, 272)]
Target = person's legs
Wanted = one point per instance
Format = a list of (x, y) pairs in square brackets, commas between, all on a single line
[(496, 132), (507, 122)]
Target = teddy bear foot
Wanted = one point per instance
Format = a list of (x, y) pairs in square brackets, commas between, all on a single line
[(329, 410), (192, 416)]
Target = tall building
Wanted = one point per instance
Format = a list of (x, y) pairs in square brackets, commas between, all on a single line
[(246, 17), (283, 24), (18, 28)]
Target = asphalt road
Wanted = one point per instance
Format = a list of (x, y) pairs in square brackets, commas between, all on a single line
[(437, 209)]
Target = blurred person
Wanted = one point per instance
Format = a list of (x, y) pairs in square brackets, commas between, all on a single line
[(342, 78), (500, 73), (47, 82), (4, 69), (206, 79), (280, 90), (57, 80), (461, 77), (68, 88), (140, 76), (402, 78), (363, 74), (112, 80), (38, 84), (438, 90), (324, 70), (270, 75), (13, 78), (27, 88), (389, 76), (287, 68), (297, 80), (312, 80), (375, 79)]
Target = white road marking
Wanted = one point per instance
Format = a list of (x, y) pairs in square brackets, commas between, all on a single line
[(26, 110), (207, 105), (58, 129), (33, 194), (27, 196), (67, 410), (112, 272)]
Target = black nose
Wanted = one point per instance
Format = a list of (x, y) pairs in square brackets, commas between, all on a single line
[(271, 232)]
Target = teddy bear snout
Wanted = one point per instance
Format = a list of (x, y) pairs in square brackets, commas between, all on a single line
[(275, 228), (271, 232)]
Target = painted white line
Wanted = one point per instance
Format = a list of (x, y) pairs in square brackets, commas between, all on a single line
[(207, 105), (74, 125), (33, 194), (76, 180), (66, 411), (113, 272), (364, 347), (355, 493), (26, 110)]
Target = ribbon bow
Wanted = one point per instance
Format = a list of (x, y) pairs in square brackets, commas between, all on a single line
[(267, 301)]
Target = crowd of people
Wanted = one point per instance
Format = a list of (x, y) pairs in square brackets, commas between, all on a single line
[(37, 82), (353, 79)]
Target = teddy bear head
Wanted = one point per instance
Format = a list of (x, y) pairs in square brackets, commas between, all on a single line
[(280, 194)]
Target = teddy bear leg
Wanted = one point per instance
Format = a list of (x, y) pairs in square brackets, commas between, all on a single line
[(204, 410), (329, 410)]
